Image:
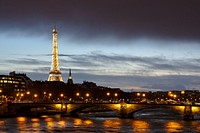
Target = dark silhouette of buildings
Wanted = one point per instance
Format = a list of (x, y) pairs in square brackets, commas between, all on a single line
[(14, 83)]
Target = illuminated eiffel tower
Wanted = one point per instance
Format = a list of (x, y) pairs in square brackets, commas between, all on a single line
[(55, 73)]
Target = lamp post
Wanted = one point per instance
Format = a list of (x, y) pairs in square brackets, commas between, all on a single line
[(35, 97), (77, 96), (17, 95), (116, 95), (1, 94), (27, 95), (108, 94), (50, 97), (61, 97), (87, 96)]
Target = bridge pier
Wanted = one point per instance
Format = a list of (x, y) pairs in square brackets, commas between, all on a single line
[(188, 113), (124, 111), (63, 107), (65, 111)]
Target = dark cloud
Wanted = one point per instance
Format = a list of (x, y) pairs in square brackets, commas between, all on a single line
[(91, 19)]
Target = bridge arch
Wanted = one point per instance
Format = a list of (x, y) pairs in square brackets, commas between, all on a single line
[(149, 108), (73, 109)]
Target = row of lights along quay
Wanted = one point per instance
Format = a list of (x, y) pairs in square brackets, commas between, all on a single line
[(20, 88)]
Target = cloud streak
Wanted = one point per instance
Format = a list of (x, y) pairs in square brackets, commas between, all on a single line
[(130, 72), (114, 64), (132, 65)]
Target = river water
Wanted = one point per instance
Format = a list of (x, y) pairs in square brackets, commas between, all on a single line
[(143, 123)]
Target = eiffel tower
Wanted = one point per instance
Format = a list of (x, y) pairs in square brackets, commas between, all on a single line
[(55, 73)]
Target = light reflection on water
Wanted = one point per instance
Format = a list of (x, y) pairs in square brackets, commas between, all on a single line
[(173, 126), (53, 124), (140, 126)]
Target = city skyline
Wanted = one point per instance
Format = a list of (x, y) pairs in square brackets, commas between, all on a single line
[(133, 45)]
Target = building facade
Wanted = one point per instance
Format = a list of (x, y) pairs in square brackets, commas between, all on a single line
[(14, 83)]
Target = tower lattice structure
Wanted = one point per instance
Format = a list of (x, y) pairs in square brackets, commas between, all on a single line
[(55, 73)]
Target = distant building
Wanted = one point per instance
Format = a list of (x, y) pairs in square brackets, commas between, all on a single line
[(70, 80), (14, 83)]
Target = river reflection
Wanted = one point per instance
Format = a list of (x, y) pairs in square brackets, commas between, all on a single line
[(140, 126), (173, 126), (51, 124)]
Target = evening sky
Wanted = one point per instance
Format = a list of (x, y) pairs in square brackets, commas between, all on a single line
[(131, 44)]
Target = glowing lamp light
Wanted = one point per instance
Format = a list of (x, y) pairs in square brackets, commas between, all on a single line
[(35, 95), (116, 94), (108, 94), (77, 94), (87, 94)]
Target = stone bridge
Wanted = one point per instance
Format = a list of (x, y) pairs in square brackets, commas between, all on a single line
[(127, 110), (124, 110)]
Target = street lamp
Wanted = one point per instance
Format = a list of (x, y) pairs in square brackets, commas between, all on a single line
[(108, 94), (116, 95), (174, 96), (77, 94), (87, 94), (50, 94), (61, 95), (183, 92), (28, 92), (35, 95)]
